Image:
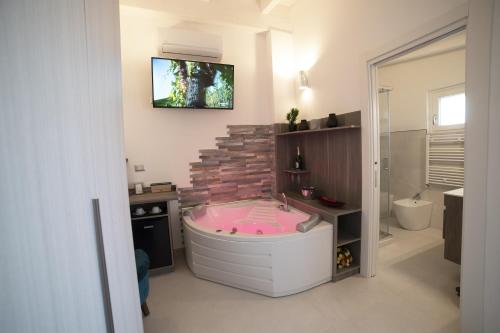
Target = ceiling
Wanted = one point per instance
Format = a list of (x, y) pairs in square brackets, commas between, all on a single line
[(260, 14), (268, 6), (448, 44)]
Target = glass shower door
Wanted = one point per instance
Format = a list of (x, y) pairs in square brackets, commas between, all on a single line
[(385, 161)]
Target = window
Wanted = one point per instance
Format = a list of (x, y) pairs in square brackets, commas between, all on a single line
[(447, 108)]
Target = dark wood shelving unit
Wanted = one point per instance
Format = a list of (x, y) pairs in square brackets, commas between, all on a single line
[(321, 130), (332, 163)]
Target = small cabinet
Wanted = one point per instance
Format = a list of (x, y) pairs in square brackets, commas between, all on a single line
[(452, 228), (152, 233)]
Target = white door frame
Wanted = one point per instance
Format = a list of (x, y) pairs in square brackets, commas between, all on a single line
[(430, 32)]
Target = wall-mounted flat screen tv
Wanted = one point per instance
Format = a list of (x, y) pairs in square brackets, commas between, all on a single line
[(192, 84)]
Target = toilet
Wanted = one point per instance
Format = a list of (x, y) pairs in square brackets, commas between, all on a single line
[(413, 214)]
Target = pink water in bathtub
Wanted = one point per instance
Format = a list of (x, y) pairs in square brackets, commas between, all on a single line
[(258, 217)]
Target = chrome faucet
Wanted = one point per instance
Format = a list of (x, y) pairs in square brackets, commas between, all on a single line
[(418, 195), (285, 206), (266, 195)]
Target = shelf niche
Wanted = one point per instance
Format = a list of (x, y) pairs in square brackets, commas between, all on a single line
[(348, 236)]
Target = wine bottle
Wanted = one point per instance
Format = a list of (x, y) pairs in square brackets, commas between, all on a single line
[(299, 162)]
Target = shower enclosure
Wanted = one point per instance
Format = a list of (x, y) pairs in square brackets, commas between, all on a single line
[(385, 162)]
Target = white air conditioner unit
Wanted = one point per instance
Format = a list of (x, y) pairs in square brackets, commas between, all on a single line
[(191, 50), (191, 43)]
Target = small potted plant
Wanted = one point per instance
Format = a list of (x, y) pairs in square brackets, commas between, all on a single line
[(291, 117)]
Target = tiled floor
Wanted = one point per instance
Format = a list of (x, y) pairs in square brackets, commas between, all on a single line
[(414, 291)]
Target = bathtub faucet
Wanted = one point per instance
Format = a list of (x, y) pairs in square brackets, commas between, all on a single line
[(266, 195), (285, 206)]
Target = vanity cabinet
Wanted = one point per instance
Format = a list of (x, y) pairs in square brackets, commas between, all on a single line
[(452, 228)]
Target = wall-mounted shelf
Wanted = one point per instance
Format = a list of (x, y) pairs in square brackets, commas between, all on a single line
[(296, 172), (295, 175), (332, 129), (347, 238)]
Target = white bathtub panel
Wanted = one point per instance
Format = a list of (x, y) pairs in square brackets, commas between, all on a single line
[(246, 270), (304, 261), (270, 265), (235, 280), (188, 250), (231, 246), (262, 260)]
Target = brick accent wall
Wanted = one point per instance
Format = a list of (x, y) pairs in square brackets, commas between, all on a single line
[(242, 167)]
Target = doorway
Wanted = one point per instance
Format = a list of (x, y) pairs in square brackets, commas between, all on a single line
[(408, 91), (421, 118), (417, 98)]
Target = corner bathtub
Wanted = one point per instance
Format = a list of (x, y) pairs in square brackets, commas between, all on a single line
[(253, 245)]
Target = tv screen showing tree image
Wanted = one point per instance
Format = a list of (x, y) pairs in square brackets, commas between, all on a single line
[(192, 84)]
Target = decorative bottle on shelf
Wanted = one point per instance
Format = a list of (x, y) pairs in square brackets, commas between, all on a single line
[(332, 120), (304, 125), (299, 161)]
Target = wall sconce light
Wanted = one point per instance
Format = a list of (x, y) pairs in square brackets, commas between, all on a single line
[(303, 80)]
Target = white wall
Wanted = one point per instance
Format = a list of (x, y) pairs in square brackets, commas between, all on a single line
[(411, 81), (328, 46), (334, 40), (165, 141), (280, 48), (332, 37)]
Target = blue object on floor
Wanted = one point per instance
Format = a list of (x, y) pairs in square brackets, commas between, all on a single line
[(142, 265)]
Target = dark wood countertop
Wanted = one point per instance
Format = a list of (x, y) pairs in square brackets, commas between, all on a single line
[(148, 197), (327, 213)]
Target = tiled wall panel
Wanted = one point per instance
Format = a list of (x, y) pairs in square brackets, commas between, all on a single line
[(242, 167)]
